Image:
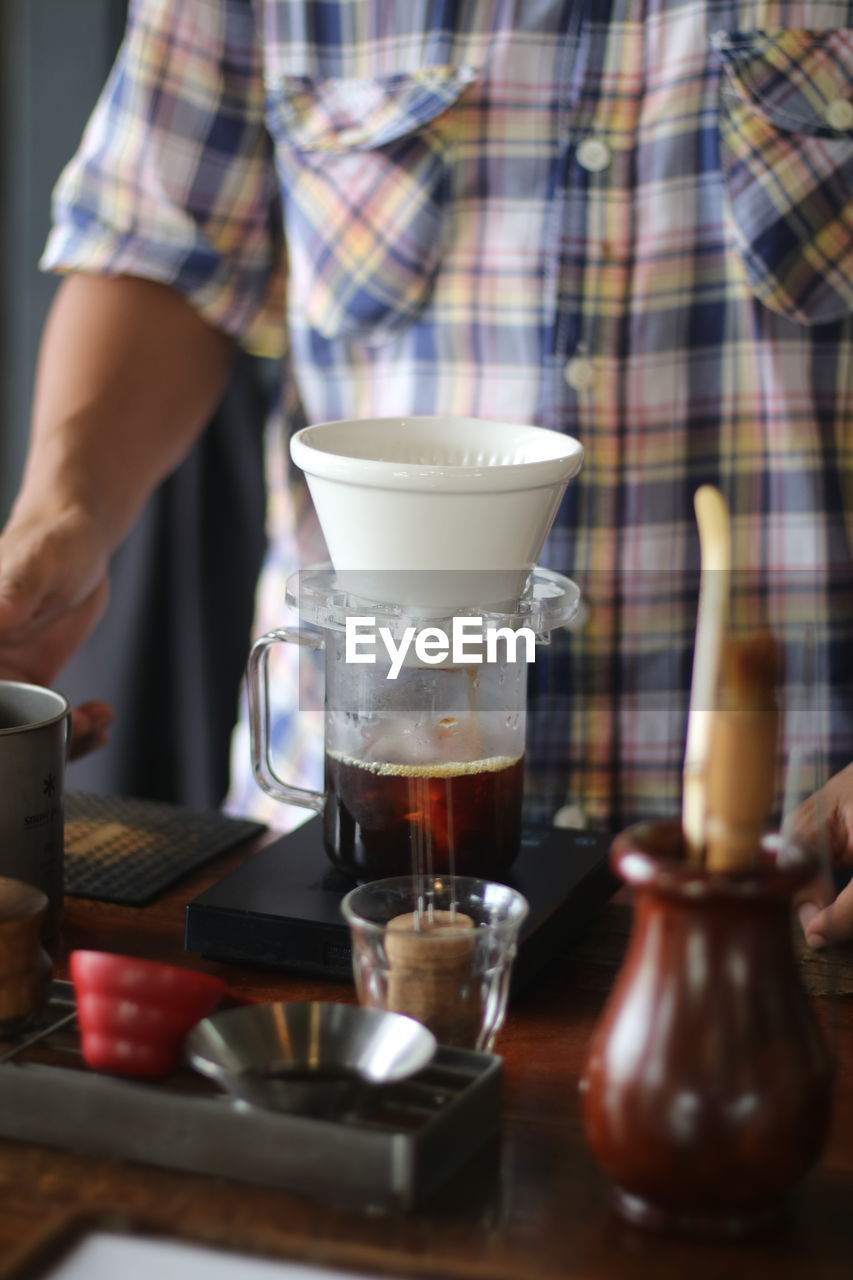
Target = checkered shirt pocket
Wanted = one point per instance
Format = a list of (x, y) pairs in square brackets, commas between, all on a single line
[(367, 181), (787, 155)]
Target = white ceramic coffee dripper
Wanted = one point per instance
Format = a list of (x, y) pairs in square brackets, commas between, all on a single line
[(461, 505)]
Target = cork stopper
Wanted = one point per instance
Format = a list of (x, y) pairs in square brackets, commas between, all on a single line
[(431, 973)]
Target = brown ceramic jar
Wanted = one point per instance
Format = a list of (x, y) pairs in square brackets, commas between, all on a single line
[(25, 967), (707, 1090)]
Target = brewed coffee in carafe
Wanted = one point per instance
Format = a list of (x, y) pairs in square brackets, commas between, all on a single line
[(424, 771), (424, 762)]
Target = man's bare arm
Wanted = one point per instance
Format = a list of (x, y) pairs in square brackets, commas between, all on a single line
[(128, 376)]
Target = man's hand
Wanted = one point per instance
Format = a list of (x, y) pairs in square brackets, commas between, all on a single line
[(89, 724), (128, 375), (824, 823), (53, 590)]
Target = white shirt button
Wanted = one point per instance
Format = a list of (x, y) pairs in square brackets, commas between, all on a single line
[(594, 155), (570, 815), (579, 373), (839, 114)]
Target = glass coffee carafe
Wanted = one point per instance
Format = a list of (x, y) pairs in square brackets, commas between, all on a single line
[(424, 746)]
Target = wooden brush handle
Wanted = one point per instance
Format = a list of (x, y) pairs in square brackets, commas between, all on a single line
[(741, 773)]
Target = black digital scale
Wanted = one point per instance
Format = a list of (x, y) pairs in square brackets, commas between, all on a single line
[(281, 909)]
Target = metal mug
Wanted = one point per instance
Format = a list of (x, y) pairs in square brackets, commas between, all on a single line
[(35, 728)]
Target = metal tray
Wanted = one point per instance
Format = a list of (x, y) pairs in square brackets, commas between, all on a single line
[(389, 1152)]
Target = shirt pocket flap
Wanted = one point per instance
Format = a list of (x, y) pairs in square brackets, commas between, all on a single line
[(345, 115), (786, 135), (798, 81), (366, 180)]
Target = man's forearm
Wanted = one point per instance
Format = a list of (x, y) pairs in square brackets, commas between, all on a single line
[(128, 376)]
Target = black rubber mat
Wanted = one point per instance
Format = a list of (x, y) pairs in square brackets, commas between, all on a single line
[(128, 851)]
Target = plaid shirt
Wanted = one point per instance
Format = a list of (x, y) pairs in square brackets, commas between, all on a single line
[(629, 220)]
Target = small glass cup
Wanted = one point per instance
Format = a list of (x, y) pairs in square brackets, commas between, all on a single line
[(437, 949)]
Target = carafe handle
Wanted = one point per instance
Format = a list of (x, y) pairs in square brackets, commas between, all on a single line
[(259, 717)]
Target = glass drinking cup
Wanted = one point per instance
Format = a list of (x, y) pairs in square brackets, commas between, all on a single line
[(437, 949)]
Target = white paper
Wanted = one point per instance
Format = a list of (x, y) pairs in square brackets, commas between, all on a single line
[(104, 1256)]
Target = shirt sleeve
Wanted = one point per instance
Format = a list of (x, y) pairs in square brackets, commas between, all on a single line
[(174, 179)]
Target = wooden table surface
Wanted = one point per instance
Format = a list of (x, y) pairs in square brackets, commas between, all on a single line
[(534, 1208)]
